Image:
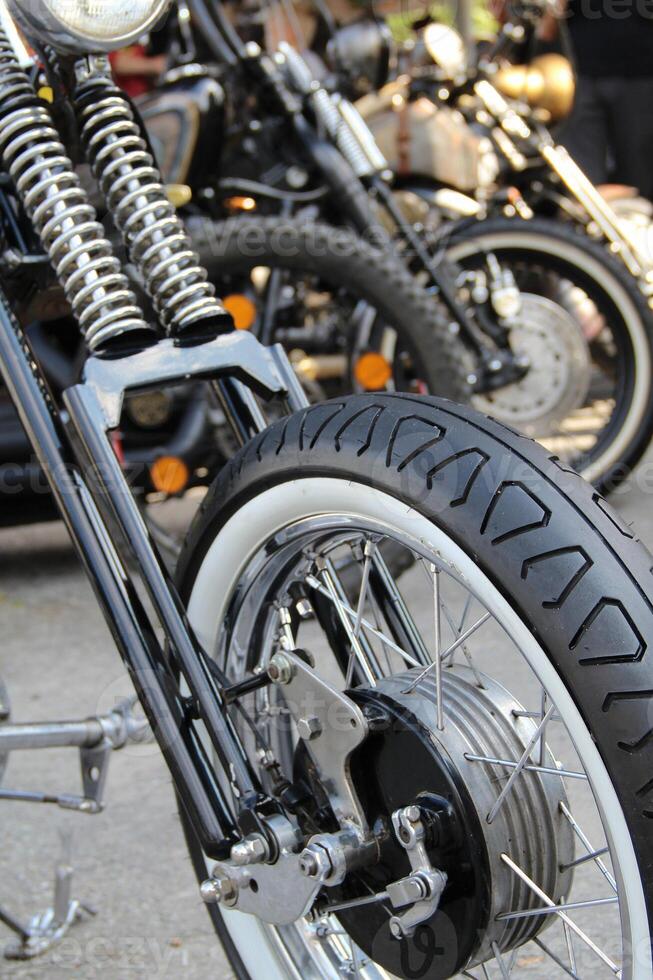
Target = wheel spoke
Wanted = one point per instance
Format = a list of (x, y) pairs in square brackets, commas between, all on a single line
[(465, 651), (395, 612), (368, 551), (449, 651), (592, 856), (529, 767), (505, 972), (556, 959), (520, 766), (569, 940), (586, 842), (551, 909), (439, 712), (563, 915), (348, 612), (543, 709)]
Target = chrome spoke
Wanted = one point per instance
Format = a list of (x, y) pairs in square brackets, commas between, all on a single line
[(346, 609), (570, 946), (466, 653), (398, 617), (551, 909), (563, 915), (357, 648), (592, 856), (556, 959), (437, 622), (542, 752), (449, 651), (586, 842), (466, 607), (520, 766), (368, 551), (529, 767), (505, 972)]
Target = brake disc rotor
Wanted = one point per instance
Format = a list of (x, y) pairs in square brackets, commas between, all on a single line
[(558, 379), (407, 759)]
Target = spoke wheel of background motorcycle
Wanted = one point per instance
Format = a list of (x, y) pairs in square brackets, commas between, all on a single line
[(559, 259), (385, 310), (539, 586)]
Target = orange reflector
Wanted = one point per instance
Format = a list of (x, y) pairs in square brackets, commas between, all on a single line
[(242, 309), (240, 203), (372, 371), (169, 474), (514, 195)]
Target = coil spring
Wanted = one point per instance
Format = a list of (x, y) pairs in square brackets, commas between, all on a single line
[(90, 274), (326, 110), (153, 234)]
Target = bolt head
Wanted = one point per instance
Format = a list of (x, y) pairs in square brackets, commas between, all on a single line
[(219, 888), (252, 850), (309, 728), (304, 609), (280, 669), (395, 928)]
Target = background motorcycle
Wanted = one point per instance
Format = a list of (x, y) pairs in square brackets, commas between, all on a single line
[(456, 127), (591, 402)]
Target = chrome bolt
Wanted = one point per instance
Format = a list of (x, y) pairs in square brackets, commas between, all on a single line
[(304, 608), (280, 669), (395, 928), (413, 813), (220, 888), (252, 850), (309, 728), (314, 863)]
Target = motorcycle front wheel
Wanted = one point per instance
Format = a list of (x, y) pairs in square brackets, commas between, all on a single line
[(588, 332), (513, 660)]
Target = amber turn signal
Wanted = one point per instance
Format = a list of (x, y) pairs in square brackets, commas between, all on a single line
[(169, 475), (242, 309), (372, 371)]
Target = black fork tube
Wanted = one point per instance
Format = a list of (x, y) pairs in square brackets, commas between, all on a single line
[(114, 498), (123, 611)]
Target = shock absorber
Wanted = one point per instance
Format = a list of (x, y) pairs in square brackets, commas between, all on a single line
[(340, 118), (50, 192), (153, 234)]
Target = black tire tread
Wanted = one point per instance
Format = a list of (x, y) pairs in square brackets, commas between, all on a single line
[(340, 257)]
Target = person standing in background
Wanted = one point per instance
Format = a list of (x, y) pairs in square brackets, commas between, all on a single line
[(610, 130)]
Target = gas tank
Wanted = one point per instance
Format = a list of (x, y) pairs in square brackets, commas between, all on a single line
[(419, 138), (184, 117)]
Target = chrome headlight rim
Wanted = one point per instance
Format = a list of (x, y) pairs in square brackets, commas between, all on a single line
[(41, 24)]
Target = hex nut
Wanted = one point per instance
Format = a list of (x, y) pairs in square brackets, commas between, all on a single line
[(309, 728), (280, 669)]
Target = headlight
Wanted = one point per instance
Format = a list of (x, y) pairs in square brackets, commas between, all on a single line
[(364, 50), (87, 26), (445, 47)]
